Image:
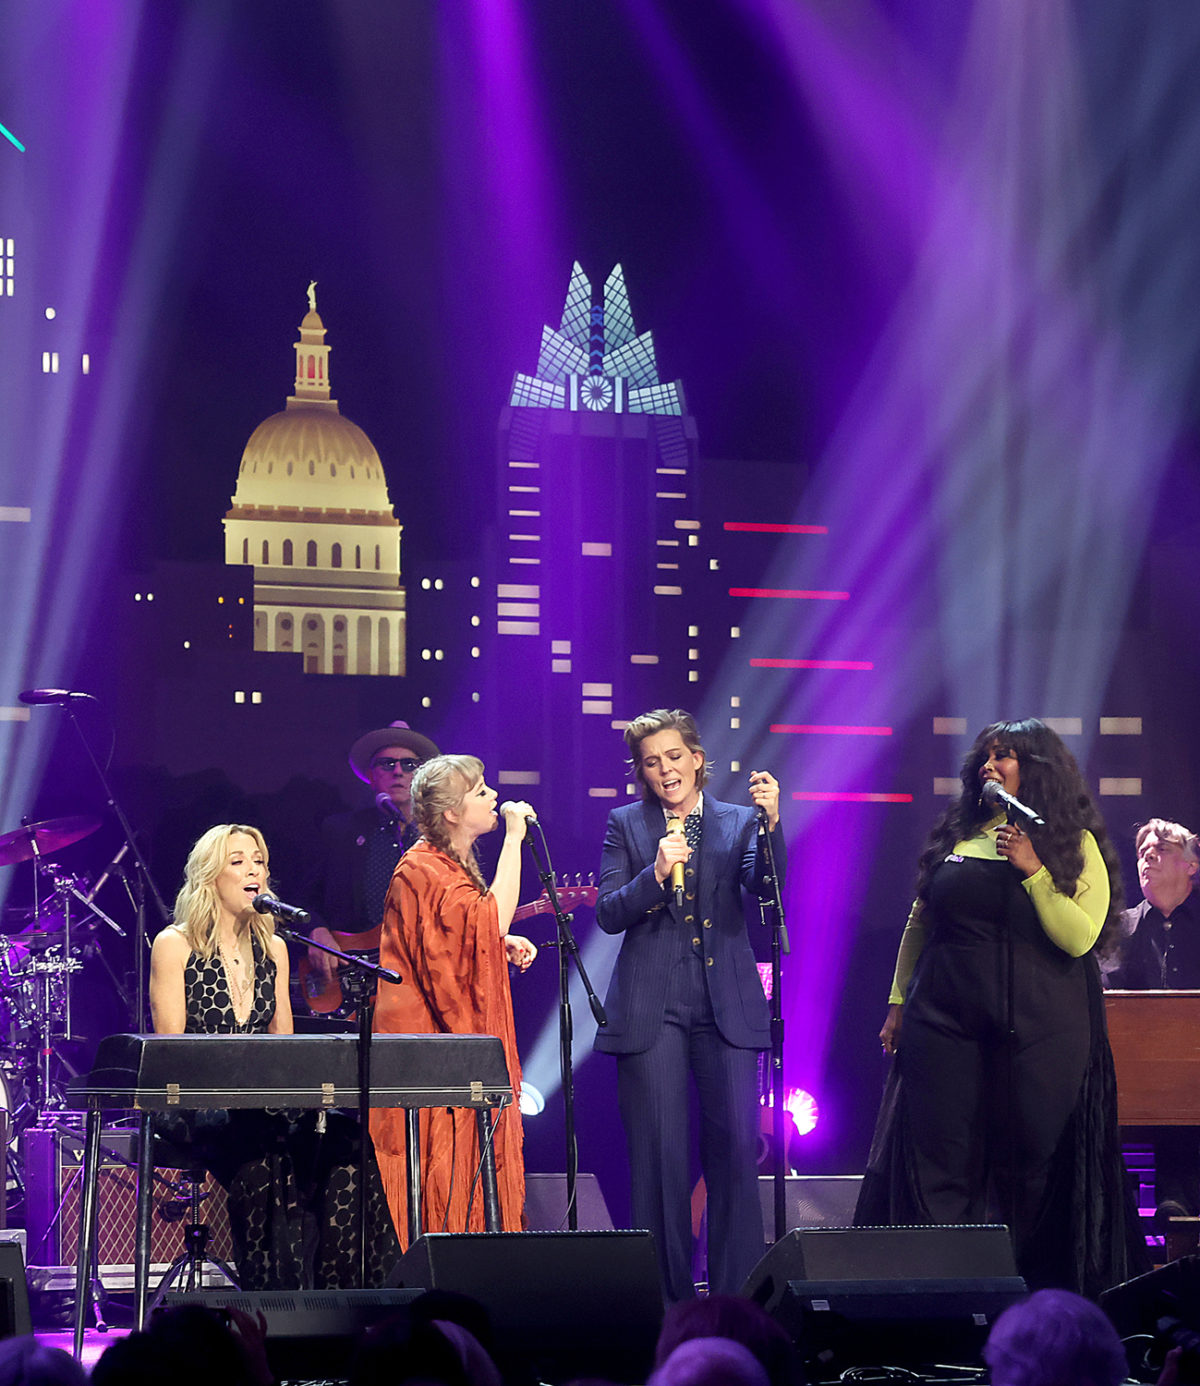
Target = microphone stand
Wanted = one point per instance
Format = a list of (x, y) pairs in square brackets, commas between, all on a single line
[(360, 985), (566, 945), (145, 880), (779, 946)]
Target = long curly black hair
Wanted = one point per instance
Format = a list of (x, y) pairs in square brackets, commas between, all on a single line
[(1052, 785)]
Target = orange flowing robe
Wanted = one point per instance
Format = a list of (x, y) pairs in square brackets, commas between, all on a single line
[(443, 937)]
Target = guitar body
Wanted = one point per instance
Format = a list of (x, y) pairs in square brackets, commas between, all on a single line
[(323, 995)]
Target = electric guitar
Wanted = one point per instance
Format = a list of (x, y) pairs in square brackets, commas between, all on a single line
[(324, 995)]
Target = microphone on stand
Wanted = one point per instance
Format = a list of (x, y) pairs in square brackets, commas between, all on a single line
[(267, 904), (996, 797), (36, 696), (675, 829), (113, 866), (385, 804), (530, 818)]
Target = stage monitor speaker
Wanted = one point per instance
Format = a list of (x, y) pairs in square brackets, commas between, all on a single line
[(310, 1333), (1171, 1291), (546, 1203), (810, 1200), (14, 1293), (562, 1304), (896, 1296)]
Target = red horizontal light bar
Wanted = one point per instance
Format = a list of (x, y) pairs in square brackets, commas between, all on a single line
[(845, 796), (811, 664), (808, 728), (789, 592), (747, 527)]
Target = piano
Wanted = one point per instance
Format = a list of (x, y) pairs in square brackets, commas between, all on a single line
[(162, 1073)]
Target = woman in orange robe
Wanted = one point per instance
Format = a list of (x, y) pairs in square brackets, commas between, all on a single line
[(446, 933)]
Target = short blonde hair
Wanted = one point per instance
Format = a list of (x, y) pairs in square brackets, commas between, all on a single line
[(663, 719), (1175, 833), (196, 905)]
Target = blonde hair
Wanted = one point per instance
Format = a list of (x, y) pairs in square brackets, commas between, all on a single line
[(1167, 831), (196, 905), (439, 784), (663, 719)]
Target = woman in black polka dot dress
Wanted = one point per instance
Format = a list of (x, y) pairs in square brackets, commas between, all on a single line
[(291, 1177)]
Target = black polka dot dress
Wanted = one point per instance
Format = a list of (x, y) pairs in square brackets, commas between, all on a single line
[(292, 1187)]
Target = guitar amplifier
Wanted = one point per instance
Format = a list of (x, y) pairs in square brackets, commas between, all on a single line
[(53, 1157)]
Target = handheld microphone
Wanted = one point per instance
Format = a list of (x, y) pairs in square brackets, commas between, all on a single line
[(530, 818), (675, 829), (993, 795), (267, 904), (36, 696)]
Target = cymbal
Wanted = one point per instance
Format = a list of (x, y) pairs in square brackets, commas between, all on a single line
[(50, 837)]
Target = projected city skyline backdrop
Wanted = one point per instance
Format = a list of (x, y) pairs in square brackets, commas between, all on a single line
[(832, 376)]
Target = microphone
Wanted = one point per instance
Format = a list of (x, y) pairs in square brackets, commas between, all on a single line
[(267, 904), (113, 866), (530, 818), (675, 829), (37, 696), (993, 795), (384, 803)]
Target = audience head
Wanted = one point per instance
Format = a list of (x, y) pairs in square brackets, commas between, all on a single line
[(740, 1320), (25, 1362), (400, 1350), (186, 1346), (710, 1362), (1054, 1338)]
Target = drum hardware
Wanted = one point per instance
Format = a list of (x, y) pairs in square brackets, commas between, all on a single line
[(39, 960), (33, 841)]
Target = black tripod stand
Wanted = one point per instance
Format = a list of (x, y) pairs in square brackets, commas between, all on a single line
[(187, 1269)]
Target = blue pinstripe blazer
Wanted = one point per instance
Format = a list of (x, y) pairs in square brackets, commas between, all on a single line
[(631, 902)]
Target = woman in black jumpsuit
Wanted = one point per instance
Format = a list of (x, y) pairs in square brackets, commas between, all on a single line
[(1001, 1106)]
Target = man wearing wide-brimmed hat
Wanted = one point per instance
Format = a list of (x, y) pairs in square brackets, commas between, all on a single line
[(360, 849)]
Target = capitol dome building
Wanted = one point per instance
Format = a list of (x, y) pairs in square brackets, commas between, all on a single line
[(311, 514)]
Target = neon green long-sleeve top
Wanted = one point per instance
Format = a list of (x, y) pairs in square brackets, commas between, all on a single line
[(1071, 922)]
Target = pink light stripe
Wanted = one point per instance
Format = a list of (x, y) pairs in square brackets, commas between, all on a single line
[(845, 796), (811, 664), (809, 729), (788, 592), (747, 527)]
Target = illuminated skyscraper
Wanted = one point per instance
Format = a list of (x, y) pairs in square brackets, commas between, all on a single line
[(596, 591)]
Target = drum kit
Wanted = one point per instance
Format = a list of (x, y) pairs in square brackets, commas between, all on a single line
[(43, 952)]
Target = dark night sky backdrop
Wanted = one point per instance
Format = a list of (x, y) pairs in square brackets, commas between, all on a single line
[(347, 142)]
